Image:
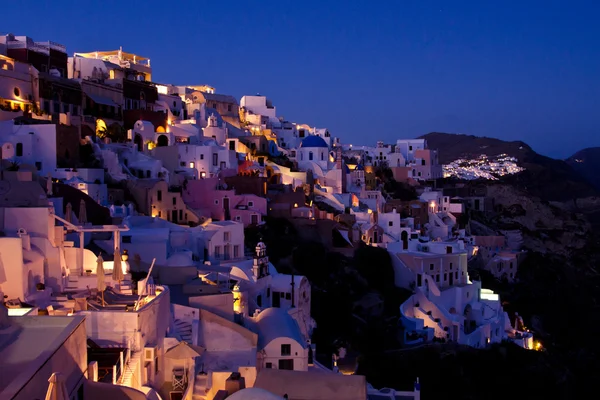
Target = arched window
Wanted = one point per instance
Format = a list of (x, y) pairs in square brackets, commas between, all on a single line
[(19, 150), (310, 156), (301, 156), (322, 156)]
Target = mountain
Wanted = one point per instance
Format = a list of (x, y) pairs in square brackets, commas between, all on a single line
[(587, 163), (544, 177)]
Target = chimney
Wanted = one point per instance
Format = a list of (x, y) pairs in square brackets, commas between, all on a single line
[(25, 239)]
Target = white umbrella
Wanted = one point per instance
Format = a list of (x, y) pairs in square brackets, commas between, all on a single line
[(68, 212), (57, 389), (117, 273), (101, 284), (183, 351), (82, 212)]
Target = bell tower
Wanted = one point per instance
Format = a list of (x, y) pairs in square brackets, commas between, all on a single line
[(261, 261)]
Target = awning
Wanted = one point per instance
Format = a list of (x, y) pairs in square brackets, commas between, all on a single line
[(102, 100)]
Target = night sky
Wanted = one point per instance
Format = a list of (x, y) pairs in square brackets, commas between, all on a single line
[(516, 70)]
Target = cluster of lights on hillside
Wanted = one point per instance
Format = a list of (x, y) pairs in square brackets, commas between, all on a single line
[(483, 167)]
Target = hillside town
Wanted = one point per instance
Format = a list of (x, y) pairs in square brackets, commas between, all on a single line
[(126, 267)]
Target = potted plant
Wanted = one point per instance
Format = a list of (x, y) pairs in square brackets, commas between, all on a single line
[(88, 272)]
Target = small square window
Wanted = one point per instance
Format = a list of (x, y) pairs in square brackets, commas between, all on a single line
[(250, 204), (269, 365), (391, 223), (126, 239)]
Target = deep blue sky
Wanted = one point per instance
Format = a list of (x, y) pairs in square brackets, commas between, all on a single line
[(517, 70)]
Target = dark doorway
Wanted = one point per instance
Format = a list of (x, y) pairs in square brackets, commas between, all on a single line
[(451, 276), (404, 238), (139, 142), (254, 218), (162, 141), (174, 216), (225, 203), (286, 364), (276, 299), (477, 204)]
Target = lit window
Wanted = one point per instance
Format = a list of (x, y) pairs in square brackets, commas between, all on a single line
[(192, 164)]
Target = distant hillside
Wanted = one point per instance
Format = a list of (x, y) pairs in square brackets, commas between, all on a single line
[(545, 177), (587, 163)]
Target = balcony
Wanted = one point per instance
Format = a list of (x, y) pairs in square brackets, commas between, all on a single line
[(52, 45)]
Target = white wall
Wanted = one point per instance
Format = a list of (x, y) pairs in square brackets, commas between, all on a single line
[(13, 277), (215, 336), (390, 222), (38, 141), (272, 354), (219, 304)]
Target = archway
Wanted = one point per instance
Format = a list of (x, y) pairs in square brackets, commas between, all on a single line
[(404, 238), (139, 142), (162, 141)]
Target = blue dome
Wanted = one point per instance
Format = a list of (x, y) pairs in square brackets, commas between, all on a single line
[(313, 141)]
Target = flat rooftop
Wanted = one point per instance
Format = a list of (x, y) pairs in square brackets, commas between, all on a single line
[(27, 344)]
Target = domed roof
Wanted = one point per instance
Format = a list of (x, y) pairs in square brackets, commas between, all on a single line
[(313, 141), (253, 394)]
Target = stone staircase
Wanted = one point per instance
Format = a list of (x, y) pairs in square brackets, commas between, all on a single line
[(184, 329), (127, 378), (126, 286)]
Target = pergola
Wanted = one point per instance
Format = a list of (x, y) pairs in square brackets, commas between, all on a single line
[(115, 229)]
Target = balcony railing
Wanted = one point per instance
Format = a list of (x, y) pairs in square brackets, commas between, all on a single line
[(52, 45)]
